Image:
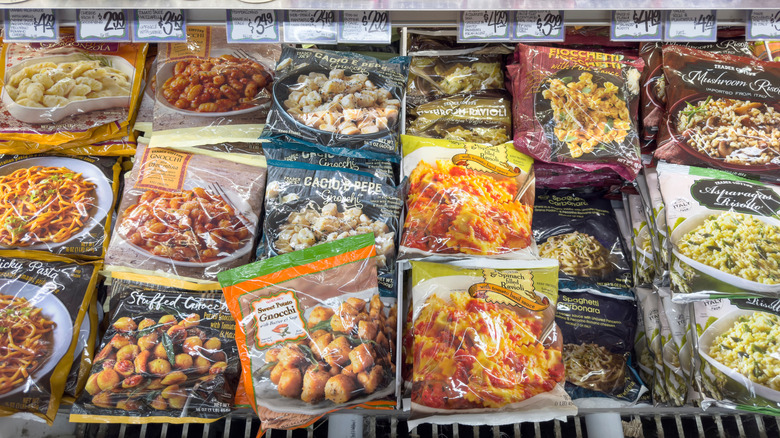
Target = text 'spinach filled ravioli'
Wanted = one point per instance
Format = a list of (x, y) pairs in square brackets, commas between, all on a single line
[(49, 84)]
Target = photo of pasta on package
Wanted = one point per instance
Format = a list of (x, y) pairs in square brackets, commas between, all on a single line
[(49, 89)]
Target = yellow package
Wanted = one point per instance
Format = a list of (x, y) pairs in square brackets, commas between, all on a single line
[(63, 92)]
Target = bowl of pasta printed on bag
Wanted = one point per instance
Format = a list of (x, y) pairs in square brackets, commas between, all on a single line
[(51, 88), (48, 202), (220, 85)]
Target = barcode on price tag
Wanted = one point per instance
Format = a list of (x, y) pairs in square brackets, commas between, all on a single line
[(484, 26), (636, 25), (102, 25), (252, 26), (31, 25), (369, 27), (159, 25), (539, 26), (691, 25), (763, 24), (311, 26)]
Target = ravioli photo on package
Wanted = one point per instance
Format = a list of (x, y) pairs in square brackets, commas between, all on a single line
[(724, 233), (313, 332), (188, 212), (486, 346), (738, 353), (168, 356), (467, 199), (44, 301), (434, 77), (61, 205), (55, 93)]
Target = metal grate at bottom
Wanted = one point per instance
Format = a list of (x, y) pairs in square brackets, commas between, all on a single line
[(636, 426)]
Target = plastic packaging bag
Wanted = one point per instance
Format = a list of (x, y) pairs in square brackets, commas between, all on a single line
[(598, 339), (312, 331), (579, 228), (188, 213), (44, 301), (169, 356), (434, 77), (551, 86), (341, 103), (722, 112), (208, 91), (486, 348), (467, 198), (307, 205), (724, 235), (61, 205), (68, 92)]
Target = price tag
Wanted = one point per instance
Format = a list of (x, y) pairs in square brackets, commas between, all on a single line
[(539, 26), (636, 25), (31, 25), (311, 26), (102, 25), (484, 26), (691, 25), (763, 25), (159, 25), (364, 27), (252, 26)]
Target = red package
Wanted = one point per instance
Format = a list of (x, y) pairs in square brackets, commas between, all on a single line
[(577, 108)]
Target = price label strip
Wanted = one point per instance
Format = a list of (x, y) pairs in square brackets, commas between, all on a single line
[(312, 26), (691, 25), (539, 26), (763, 24), (636, 25), (484, 26), (252, 26), (367, 27), (159, 26), (102, 25), (31, 25)]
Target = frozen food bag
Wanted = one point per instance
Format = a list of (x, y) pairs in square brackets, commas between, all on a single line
[(724, 233), (722, 112), (82, 363), (487, 350), (313, 333), (342, 103), (483, 117), (44, 300), (598, 332), (643, 260), (188, 213), (579, 228), (307, 205), (433, 77), (738, 353), (207, 91), (66, 92), (57, 204), (649, 306), (467, 199), (577, 108), (168, 356)]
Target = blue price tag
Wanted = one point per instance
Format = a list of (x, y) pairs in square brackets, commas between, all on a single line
[(159, 26), (691, 25), (252, 26), (31, 25), (636, 25), (103, 25)]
